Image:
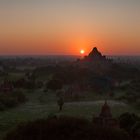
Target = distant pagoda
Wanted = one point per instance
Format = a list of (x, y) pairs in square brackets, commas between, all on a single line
[(105, 118), (95, 55), (106, 111)]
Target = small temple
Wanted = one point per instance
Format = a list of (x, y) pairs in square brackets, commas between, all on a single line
[(105, 118), (106, 111)]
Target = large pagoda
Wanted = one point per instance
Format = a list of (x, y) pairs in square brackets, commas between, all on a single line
[(95, 55)]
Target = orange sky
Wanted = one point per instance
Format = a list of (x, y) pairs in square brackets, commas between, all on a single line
[(66, 27)]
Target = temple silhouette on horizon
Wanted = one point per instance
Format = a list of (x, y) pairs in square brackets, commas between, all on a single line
[(95, 55), (95, 61)]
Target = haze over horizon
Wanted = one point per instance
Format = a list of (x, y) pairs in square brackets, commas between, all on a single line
[(66, 26)]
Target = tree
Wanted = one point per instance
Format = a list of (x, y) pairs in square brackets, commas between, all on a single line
[(54, 84), (60, 103), (136, 131), (127, 121)]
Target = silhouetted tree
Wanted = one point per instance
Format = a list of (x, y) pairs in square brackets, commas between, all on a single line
[(127, 121), (136, 131), (60, 103), (54, 84)]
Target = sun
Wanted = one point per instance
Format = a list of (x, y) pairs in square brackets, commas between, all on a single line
[(82, 51)]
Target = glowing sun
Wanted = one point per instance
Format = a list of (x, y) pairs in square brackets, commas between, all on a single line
[(82, 51)]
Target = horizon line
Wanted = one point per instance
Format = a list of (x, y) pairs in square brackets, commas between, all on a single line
[(21, 55)]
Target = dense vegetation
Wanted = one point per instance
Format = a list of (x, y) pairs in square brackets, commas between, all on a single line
[(64, 128), (11, 100)]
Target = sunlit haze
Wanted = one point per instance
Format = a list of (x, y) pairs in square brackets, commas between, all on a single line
[(63, 27)]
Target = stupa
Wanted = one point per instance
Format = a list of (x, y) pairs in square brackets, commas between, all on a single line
[(95, 55), (105, 118)]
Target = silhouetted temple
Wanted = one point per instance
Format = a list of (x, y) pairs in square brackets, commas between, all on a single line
[(106, 111), (96, 62), (105, 118), (95, 55)]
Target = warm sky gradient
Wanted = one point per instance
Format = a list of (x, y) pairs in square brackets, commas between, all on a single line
[(66, 26)]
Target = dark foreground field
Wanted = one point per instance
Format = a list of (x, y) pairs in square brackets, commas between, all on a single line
[(42, 105)]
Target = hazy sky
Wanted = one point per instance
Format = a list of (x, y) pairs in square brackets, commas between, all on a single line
[(66, 26)]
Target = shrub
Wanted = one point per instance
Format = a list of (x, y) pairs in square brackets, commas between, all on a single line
[(127, 121), (54, 84), (20, 96), (137, 104), (11, 100), (136, 131), (2, 107)]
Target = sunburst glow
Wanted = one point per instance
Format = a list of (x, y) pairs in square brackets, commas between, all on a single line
[(82, 51)]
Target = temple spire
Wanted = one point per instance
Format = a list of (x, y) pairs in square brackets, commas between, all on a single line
[(106, 111)]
